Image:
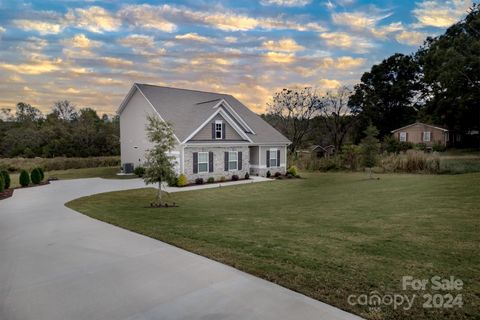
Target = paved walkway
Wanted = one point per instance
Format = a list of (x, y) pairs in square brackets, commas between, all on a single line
[(58, 264)]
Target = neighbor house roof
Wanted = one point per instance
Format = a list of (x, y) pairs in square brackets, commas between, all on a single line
[(420, 123), (187, 110)]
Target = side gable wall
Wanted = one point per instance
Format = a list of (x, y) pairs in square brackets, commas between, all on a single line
[(133, 137), (205, 134), (415, 134)]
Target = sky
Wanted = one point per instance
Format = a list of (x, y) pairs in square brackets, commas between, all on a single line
[(91, 52)]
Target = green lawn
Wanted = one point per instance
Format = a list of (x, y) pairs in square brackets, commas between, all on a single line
[(327, 236), (101, 172)]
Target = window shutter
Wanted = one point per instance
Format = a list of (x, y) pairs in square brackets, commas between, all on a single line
[(278, 158), (213, 131), (195, 162), (210, 161), (406, 136), (240, 160), (268, 158), (226, 161), (223, 131)]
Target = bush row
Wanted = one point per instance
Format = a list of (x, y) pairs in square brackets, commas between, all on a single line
[(36, 176), (59, 163)]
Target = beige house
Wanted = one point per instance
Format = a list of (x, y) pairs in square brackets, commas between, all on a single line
[(217, 136), (422, 133)]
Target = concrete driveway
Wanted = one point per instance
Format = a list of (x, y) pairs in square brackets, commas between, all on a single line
[(56, 263)]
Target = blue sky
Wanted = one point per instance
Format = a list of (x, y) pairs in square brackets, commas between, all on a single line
[(91, 52)]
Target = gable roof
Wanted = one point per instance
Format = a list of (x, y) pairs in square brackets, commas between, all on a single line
[(187, 110), (420, 123)]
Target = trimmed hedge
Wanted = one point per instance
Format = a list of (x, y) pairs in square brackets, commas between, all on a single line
[(2, 183), (24, 178), (35, 176), (6, 178)]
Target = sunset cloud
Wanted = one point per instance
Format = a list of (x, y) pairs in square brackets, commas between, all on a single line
[(42, 27), (34, 67), (193, 36), (94, 19), (285, 45), (440, 14), (411, 38), (347, 41), (286, 3), (279, 57)]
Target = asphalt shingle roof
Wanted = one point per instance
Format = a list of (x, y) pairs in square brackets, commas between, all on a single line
[(187, 109)]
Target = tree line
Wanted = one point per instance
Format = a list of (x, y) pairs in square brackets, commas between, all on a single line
[(65, 131), (438, 84)]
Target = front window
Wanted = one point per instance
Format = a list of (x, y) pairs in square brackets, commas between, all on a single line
[(273, 158), (232, 160), (218, 130), (202, 162), (403, 136), (426, 136)]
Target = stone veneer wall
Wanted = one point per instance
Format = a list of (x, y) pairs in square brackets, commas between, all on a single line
[(218, 163), (263, 171)]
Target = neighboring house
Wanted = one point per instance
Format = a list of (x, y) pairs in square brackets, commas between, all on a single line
[(422, 133), (217, 136), (323, 151)]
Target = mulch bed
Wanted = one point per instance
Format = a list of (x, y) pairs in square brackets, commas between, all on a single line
[(9, 192), (6, 194)]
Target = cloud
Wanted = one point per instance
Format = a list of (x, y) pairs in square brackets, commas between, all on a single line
[(411, 38), (142, 44), (358, 20), (231, 39), (440, 14), (147, 16), (94, 19), (2, 29), (328, 84), (284, 45), (164, 17), (41, 27), (37, 65), (286, 3), (346, 41), (117, 62), (279, 57), (81, 41), (192, 36)]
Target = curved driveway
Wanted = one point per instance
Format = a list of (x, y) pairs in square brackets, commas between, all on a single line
[(58, 264)]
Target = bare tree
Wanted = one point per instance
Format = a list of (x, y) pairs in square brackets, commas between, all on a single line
[(291, 111), (64, 110), (337, 115)]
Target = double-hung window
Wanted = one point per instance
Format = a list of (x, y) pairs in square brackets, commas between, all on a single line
[(403, 136), (426, 136), (218, 129), (202, 162), (233, 160), (274, 161)]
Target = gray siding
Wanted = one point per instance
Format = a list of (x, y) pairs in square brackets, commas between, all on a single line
[(206, 132)]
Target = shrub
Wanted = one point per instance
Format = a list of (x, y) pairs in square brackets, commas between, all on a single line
[(6, 178), (350, 156), (182, 180), (404, 146), (329, 164), (277, 174), (421, 146), (42, 174), (211, 180), (289, 175), (35, 176), (172, 182), (139, 171), (2, 183), (293, 170), (234, 177), (247, 176), (223, 179), (269, 174), (199, 181), (24, 178), (437, 146)]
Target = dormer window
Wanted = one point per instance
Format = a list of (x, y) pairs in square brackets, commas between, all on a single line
[(219, 129)]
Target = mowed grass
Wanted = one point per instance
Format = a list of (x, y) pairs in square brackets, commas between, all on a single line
[(327, 236), (100, 172)]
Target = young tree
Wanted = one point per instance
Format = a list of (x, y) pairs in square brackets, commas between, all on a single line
[(370, 147), (159, 165), (291, 111), (64, 110)]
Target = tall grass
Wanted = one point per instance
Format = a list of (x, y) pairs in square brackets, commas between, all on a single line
[(59, 163)]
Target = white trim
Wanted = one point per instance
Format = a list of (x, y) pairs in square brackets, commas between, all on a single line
[(125, 100), (277, 161), (217, 144), (235, 114), (227, 118), (219, 122), (198, 161), (419, 123), (229, 160), (286, 158)]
